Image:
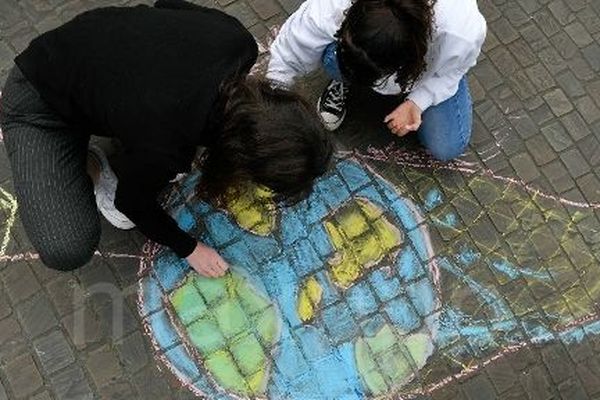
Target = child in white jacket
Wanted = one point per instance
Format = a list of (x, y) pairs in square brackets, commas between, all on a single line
[(411, 48)]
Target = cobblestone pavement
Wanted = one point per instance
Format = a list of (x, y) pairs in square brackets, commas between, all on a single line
[(505, 305)]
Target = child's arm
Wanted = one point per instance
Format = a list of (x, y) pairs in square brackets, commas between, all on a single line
[(298, 48)]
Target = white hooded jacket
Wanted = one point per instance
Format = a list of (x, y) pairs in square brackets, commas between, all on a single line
[(458, 34)]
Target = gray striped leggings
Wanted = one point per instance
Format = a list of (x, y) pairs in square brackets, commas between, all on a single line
[(54, 192)]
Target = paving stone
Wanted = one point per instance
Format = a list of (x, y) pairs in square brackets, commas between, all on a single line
[(504, 30), (119, 390), (3, 395), (53, 351), (488, 75), (536, 384), (575, 163), (546, 22), (23, 376), (561, 12), (66, 294), (242, 12), (570, 84), (11, 338), (552, 60), (592, 55), (479, 387), (557, 136), (149, 383), (558, 102), (265, 8), (579, 34), (41, 396), (522, 52), (572, 389), (564, 45), (582, 69), (535, 37), (36, 315), (19, 281), (558, 176), (133, 352), (83, 327), (540, 150), (540, 77), (588, 109), (71, 384), (590, 148), (523, 124), (525, 167), (555, 357), (588, 372), (103, 366)]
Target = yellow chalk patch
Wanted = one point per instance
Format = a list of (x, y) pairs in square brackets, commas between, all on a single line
[(309, 298), (253, 209), (362, 236)]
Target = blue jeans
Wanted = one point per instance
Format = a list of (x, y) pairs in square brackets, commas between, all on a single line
[(446, 128)]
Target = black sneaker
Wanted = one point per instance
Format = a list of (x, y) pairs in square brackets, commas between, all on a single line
[(332, 104)]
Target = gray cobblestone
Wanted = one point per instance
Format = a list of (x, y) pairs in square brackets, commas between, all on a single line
[(103, 365), (23, 376), (19, 281), (558, 102), (576, 164), (53, 351), (588, 109), (71, 384), (83, 328), (36, 315), (133, 352)]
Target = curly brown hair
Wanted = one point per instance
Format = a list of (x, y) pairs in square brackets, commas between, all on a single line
[(379, 38), (265, 135)]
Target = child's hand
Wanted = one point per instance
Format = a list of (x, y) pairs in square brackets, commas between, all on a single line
[(207, 262), (405, 118)]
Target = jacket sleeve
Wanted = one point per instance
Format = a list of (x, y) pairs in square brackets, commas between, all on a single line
[(140, 183), (298, 47), (456, 56)]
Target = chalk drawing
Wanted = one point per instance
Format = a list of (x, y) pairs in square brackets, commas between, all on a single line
[(347, 296)]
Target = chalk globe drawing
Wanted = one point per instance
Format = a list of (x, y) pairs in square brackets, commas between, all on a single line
[(335, 297)]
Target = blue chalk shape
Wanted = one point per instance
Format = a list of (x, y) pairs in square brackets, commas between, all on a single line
[(361, 300), (184, 363), (402, 314), (185, 219), (409, 265), (220, 228), (152, 296), (292, 229), (290, 361), (340, 323), (321, 242), (170, 272), (262, 249), (449, 220), (386, 287), (337, 375), (163, 331), (333, 191), (467, 256), (372, 325), (331, 293), (421, 295), (514, 272), (314, 343), (354, 176), (370, 193), (433, 198), (305, 258)]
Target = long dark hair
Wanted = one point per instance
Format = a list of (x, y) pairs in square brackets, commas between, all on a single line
[(379, 38), (268, 136)]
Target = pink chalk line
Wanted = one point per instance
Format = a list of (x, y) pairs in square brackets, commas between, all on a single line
[(421, 160)]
